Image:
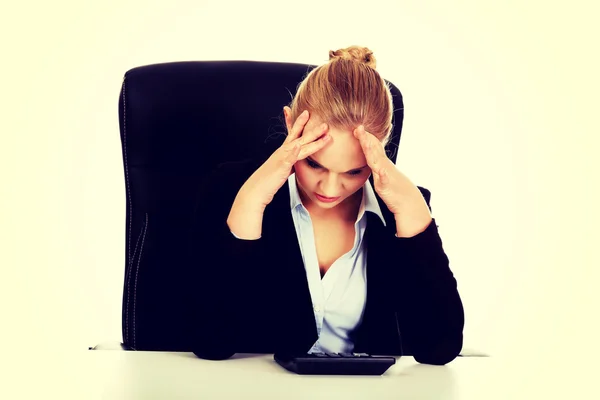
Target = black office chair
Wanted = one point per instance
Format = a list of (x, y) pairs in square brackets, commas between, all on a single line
[(178, 121)]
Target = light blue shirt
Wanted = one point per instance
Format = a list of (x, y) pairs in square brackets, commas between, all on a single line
[(339, 297)]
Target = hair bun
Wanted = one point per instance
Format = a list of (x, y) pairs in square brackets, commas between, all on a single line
[(357, 53)]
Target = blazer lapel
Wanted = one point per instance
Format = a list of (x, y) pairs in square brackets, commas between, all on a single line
[(377, 333), (296, 321)]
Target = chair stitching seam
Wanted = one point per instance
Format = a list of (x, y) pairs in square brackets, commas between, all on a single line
[(136, 279), (129, 287)]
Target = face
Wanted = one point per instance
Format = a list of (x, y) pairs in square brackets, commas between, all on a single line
[(338, 171)]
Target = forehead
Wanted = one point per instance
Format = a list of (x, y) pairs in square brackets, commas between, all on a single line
[(343, 153)]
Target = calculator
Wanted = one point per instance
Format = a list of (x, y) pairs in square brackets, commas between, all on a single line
[(321, 363)]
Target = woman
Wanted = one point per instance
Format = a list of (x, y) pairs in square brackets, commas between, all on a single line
[(305, 253)]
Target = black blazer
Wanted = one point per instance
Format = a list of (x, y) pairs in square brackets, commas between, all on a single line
[(252, 296)]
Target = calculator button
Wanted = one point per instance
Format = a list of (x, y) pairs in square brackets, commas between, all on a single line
[(333, 355), (346, 355), (361, 355)]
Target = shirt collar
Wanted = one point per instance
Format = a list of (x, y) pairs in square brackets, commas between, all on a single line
[(368, 203)]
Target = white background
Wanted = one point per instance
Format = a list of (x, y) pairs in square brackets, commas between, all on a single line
[(501, 124)]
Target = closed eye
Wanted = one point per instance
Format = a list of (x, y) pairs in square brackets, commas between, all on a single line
[(314, 165), (355, 172)]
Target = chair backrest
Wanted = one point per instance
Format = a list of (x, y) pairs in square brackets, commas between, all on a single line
[(177, 122)]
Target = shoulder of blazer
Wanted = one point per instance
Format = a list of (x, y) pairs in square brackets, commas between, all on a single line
[(426, 195)]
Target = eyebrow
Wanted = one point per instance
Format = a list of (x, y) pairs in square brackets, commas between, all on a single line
[(353, 169)]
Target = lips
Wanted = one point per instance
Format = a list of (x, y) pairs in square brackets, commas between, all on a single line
[(326, 199)]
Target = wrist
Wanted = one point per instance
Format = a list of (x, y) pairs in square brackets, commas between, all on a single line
[(245, 219), (408, 226), (244, 226)]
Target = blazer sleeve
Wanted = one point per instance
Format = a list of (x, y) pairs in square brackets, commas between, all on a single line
[(430, 305), (219, 263)]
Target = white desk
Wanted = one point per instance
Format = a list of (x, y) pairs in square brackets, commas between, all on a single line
[(133, 375)]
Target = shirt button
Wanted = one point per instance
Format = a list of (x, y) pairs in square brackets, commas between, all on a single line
[(317, 308)]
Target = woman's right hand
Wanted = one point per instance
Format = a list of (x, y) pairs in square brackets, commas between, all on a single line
[(258, 191)]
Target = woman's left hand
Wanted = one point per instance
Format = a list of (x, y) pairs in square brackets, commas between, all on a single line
[(400, 195)]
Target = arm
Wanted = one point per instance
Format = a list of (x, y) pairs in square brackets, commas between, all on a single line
[(429, 301), (219, 263)]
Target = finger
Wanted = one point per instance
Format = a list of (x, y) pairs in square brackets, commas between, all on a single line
[(286, 114), (372, 147), (298, 126), (313, 147), (315, 134), (310, 136), (360, 135), (365, 144), (377, 146)]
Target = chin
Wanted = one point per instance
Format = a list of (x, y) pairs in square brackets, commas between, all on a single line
[(326, 205)]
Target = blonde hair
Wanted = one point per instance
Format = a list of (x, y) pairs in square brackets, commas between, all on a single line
[(346, 92)]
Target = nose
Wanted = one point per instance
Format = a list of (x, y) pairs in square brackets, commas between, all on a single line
[(330, 185)]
